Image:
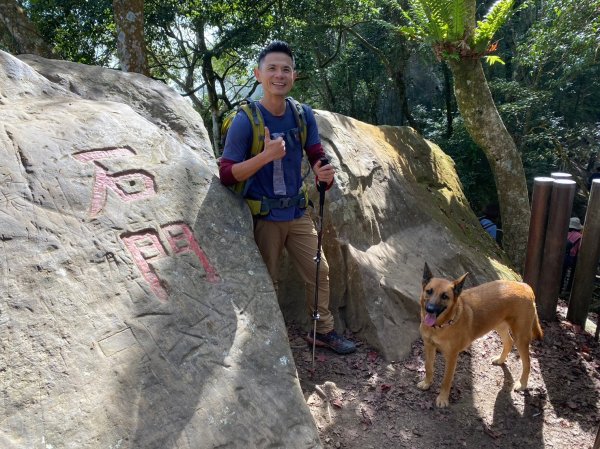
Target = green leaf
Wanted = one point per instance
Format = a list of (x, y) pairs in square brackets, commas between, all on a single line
[(497, 16), (492, 59)]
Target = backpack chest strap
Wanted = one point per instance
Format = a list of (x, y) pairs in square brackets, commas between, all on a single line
[(264, 205)]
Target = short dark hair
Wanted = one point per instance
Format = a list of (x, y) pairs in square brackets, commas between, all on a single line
[(276, 47), (491, 211)]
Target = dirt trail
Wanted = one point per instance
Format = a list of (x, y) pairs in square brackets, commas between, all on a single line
[(362, 401)]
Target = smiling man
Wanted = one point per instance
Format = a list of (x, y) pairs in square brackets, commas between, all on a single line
[(274, 178)]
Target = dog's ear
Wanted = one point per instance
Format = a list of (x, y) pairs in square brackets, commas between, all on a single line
[(458, 284), (426, 275)]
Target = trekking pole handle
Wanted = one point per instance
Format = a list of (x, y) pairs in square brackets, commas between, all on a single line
[(323, 184)]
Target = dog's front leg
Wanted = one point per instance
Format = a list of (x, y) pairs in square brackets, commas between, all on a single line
[(442, 399), (429, 363)]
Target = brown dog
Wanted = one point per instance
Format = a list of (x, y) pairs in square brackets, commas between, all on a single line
[(451, 319)]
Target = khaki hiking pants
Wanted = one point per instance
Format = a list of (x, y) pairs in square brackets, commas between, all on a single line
[(299, 238)]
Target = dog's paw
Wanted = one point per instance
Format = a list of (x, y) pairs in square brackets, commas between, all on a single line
[(442, 401), (498, 361), (520, 387), (424, 385)]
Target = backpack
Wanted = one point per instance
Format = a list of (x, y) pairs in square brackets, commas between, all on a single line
[(570, 248), (249, 107)]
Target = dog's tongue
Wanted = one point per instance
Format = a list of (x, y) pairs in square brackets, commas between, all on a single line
[(429, 319)]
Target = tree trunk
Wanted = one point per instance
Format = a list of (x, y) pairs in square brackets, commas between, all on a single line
[(19, 34), (213, 98), (131, 48), (397, 74), (487, 129), (208, 73), (447, 99)]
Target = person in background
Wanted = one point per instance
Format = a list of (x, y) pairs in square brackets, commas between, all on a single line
[(571, 253), (489, 220)]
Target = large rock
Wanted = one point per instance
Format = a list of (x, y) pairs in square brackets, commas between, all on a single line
[(397, 203), (134, 309)]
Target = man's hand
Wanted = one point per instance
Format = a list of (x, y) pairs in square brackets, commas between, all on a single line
[(275, 148), (324, 174)]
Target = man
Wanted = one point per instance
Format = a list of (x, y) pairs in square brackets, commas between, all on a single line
[(275, 174)]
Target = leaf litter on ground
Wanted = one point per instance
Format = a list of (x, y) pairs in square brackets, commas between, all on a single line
[(371, 396)]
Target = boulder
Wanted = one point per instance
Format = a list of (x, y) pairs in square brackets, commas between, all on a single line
[(135, 311), (396, 204)]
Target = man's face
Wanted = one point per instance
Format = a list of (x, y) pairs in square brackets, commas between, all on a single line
[(276, 74)]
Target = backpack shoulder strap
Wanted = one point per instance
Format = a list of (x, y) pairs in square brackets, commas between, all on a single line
[(258, 125), (300, 116)]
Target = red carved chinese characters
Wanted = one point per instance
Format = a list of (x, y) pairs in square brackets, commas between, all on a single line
[(182, 240), (145, 247), (129, 185)]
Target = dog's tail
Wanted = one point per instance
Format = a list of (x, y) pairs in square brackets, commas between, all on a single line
[(536, 328)]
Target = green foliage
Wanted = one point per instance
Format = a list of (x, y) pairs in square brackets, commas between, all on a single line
[(493, 59), (79, 31), (471, 164), (487, 28), (558, 88), (436, 21), (560, 54), (444, 25)]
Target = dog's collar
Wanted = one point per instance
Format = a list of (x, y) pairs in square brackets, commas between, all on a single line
[(447, 323)]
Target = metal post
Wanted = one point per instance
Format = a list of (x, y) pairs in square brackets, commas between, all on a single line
[(540, 200), (587, 260), (548, 286), (561, 175)]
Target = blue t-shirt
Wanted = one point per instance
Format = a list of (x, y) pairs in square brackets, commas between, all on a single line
[(281, 178), (489, 226)]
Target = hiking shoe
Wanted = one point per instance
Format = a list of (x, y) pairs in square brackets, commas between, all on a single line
[(333, 341)]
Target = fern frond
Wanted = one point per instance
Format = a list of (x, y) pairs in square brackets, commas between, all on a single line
[(442, 20), (491, 23), (492, 59), (435, 24), (458, 19)]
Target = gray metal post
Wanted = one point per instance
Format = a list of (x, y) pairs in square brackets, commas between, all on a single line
[(587, 260), (548, 286), (540, 201)]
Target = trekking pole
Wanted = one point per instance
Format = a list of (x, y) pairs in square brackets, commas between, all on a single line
[(315, 316)]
